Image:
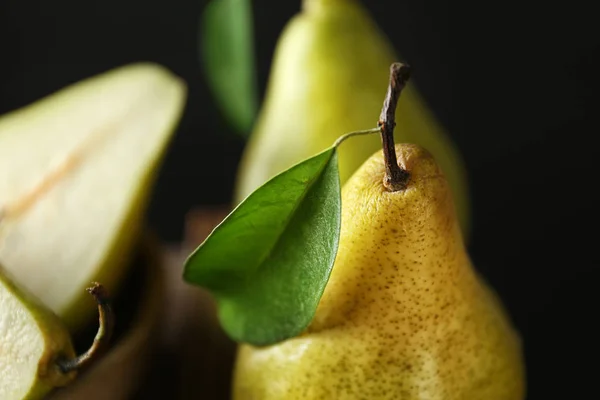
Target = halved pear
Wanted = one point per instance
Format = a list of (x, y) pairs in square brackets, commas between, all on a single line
[(32, 339), (76, 171)]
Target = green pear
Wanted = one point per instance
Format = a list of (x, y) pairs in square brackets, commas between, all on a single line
[(77, 168), (329, 66), (404, 314)]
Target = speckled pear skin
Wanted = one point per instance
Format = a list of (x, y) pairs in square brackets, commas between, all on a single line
[(404, 315)]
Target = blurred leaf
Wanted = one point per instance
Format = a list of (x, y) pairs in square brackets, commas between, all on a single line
[(268, 262), (227, 52)]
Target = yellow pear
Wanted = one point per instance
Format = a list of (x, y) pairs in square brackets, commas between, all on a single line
[(404, 315), (329, 66), (36, 351), (76, 172)]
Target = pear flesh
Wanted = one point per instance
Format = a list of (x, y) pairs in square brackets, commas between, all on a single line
[(76, 169), (404, 314), (32, 338), (329, 66)]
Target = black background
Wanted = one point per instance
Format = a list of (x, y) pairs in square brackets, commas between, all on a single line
[(514, 82)]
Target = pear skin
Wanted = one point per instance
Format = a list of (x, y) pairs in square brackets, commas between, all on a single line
[(404, 314), (329, 66)]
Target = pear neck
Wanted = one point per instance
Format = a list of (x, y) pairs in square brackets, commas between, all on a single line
[(316, 5)]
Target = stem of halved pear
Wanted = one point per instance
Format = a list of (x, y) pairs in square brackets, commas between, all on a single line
[(395, 178), (105, 330)]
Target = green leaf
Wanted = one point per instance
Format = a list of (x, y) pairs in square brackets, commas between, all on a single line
[(268, 262), (227, 53)]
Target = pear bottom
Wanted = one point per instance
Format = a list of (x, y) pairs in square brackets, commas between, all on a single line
[(359, 362)]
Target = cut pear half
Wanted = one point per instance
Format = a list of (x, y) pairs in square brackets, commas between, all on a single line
[(36, 351), (76, 171), (32, 338)]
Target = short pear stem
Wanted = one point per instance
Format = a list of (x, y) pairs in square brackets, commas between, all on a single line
[(395, 178), (105, 330)]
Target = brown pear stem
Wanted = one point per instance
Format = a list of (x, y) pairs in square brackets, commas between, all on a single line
[(395, 178), (105, 330)]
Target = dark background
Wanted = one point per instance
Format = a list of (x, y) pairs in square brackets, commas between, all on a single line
[(514, 82)]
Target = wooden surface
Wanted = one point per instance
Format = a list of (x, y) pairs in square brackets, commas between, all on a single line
[(195, 358)]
